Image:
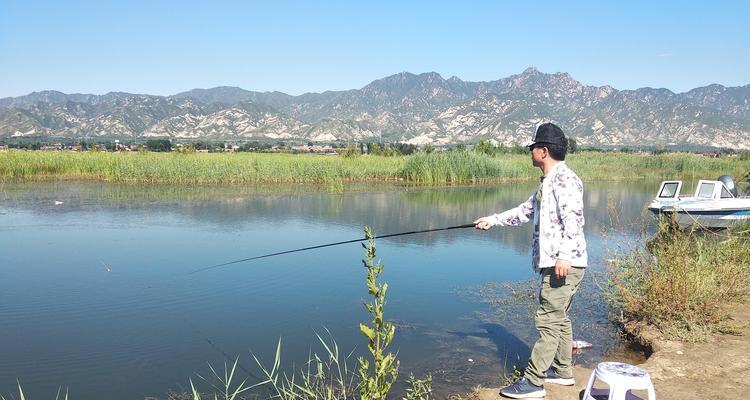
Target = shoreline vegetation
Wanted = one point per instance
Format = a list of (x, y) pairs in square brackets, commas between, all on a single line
[(682, 283), (437, 168)]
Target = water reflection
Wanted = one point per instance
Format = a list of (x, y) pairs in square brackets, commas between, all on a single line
[(94, 292), (234, 207)]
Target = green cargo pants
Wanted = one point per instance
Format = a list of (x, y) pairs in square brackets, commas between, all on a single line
[(554, 349)]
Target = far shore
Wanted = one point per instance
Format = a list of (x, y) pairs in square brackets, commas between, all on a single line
[(438, 168)]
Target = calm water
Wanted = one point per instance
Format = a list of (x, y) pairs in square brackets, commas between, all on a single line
[(96, 295)]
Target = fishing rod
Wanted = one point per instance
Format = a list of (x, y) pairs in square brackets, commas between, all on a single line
[(331, 244)]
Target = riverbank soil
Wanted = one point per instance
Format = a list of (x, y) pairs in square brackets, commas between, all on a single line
[(716, 369)]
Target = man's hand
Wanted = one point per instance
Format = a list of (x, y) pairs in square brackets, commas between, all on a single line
[(562, 268), (482, 223)]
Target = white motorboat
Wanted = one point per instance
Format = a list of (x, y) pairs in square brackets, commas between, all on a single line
[(716, 204)]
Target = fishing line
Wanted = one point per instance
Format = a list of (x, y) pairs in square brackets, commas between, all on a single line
[(330, 244), (227, 357)]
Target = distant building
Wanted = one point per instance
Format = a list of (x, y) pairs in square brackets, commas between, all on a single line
[(315, 148), (120, 147), (54, 146), (231, 148)]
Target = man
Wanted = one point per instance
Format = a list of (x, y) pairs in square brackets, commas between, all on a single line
[(558, 255)]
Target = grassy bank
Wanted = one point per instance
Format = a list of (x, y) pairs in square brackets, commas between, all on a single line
[(435, 168), (195, 168), (684, 282)]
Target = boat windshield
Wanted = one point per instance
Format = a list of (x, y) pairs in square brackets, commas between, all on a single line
[(669, 190), (706, 190)]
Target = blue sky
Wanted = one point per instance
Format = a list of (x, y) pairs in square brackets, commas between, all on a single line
[(161, 47)]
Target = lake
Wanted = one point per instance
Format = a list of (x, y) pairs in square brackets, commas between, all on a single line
[(97, 294)]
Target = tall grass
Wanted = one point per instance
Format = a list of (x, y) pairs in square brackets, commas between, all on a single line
[(626, 166), (469, 167), (683, 282), (327, 376), (455, 167), (464, 167), (226, 386), (22, 395), (195, 168)]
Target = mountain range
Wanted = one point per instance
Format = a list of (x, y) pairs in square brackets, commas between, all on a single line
[(419, 109)]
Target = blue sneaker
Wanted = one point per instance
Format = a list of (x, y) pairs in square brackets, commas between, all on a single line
[(523, 389), (554, 377)]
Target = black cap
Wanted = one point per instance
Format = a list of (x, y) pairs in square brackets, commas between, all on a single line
[(548, 133)]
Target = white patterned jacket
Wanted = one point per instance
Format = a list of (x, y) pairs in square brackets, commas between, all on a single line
[(558, 219)]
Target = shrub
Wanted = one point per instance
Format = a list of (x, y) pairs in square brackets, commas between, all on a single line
[(484, 146), (349, 151), (159, 145), (683, 282)]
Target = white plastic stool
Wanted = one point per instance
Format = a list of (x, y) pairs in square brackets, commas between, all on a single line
[(621, 378)]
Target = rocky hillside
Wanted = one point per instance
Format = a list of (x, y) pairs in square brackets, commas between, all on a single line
[(418, 109)]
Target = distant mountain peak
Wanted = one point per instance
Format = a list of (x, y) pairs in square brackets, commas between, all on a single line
[(431, 75), (403, 75)]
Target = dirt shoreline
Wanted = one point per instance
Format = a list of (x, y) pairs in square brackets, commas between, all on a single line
[(716, 369)]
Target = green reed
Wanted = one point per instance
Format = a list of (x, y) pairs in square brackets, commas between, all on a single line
[(437, 168), (625, 166), (469, 167), (223, 383), (325, 376), (22, 395), (196, 167), (459, 167)]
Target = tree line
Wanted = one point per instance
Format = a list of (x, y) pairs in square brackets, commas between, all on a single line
[(347, 149)]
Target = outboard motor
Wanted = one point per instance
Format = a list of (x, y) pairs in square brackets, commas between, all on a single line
[(729, 183)]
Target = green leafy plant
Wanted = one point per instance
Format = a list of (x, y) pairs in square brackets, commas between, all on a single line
[(419, 389), (378, 378), (511, 376)]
